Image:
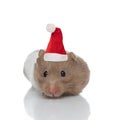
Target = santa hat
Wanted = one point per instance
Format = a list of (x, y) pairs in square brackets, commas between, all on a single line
[(55, 50)]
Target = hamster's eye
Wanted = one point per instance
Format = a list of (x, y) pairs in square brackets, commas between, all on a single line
[(45, 74), (62, 73)]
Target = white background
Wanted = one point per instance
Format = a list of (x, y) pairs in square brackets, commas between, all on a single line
[(91, 29)]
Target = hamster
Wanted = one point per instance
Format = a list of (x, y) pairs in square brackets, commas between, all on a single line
[(54, 71), (56, 79)]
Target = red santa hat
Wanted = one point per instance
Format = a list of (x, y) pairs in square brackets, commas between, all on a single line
[(55, 50)]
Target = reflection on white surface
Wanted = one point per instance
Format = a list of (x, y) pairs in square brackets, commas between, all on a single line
[(67, 108)]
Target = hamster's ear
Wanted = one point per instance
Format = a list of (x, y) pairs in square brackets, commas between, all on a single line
[(72, 56), (41, 53)]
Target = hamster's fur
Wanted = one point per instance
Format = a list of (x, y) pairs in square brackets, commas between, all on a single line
[(61, 78)]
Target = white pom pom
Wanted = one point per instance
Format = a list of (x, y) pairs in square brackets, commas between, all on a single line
[(50, 28)]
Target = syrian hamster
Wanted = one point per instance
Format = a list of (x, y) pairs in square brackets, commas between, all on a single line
[(56, 79)]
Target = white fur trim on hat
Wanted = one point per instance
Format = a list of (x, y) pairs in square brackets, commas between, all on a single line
[(55, 57)]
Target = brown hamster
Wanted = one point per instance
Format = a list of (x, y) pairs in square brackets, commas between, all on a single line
[(61, 78)]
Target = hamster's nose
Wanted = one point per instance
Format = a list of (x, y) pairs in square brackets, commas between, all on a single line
[(53, 91)]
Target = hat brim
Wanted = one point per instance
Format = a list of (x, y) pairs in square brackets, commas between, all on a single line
[(55, 57)]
